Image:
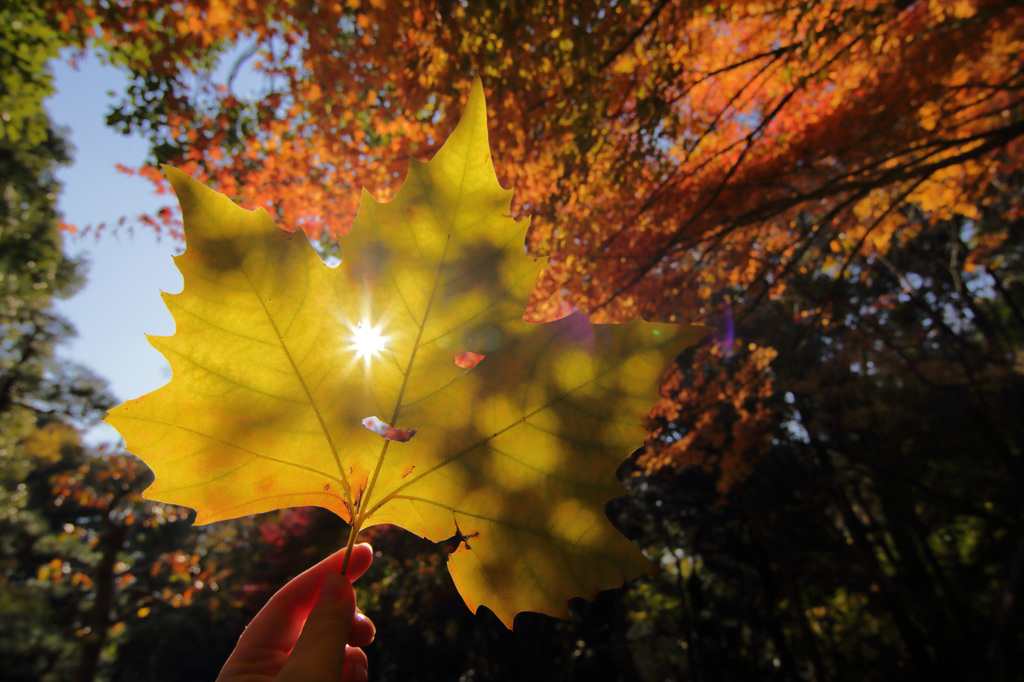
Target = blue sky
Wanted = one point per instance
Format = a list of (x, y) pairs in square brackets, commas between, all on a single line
[(120, 302)]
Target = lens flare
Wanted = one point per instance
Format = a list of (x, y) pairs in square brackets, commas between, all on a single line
[(727, 332), (367, 341)]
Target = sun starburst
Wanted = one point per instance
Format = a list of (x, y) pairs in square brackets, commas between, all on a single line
[(367, 341)]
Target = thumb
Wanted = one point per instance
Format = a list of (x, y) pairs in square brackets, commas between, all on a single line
[(319, 653)]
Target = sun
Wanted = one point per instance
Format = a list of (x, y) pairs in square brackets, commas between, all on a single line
[(367, 341)]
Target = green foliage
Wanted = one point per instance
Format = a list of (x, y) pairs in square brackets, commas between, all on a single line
[(28, 43), (33, 266)]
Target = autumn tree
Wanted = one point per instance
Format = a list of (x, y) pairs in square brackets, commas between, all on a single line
[(836, 186), (643, 138)]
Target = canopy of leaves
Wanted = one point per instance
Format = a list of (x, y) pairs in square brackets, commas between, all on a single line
[(643, 137), (273, 384)]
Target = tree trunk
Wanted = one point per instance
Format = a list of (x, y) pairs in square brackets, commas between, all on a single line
[(98, 620)]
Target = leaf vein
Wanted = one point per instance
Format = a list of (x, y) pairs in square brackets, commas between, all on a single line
[(309, 396)]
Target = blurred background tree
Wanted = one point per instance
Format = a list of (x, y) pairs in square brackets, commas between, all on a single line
[(83, 559), (833, 484)]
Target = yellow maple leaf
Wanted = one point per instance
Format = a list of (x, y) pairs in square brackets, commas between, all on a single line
[(287, 373)]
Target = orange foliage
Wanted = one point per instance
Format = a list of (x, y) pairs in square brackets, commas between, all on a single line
[(668, 151), (644, 138), (713, 413), (107, 488)]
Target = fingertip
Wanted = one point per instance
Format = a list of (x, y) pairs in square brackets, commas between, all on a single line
[(355, 668), (359, 561), (363, 631)]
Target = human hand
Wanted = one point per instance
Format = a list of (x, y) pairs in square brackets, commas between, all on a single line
[(321, 605)]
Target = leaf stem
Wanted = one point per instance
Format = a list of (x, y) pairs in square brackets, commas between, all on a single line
[(357, 523)]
